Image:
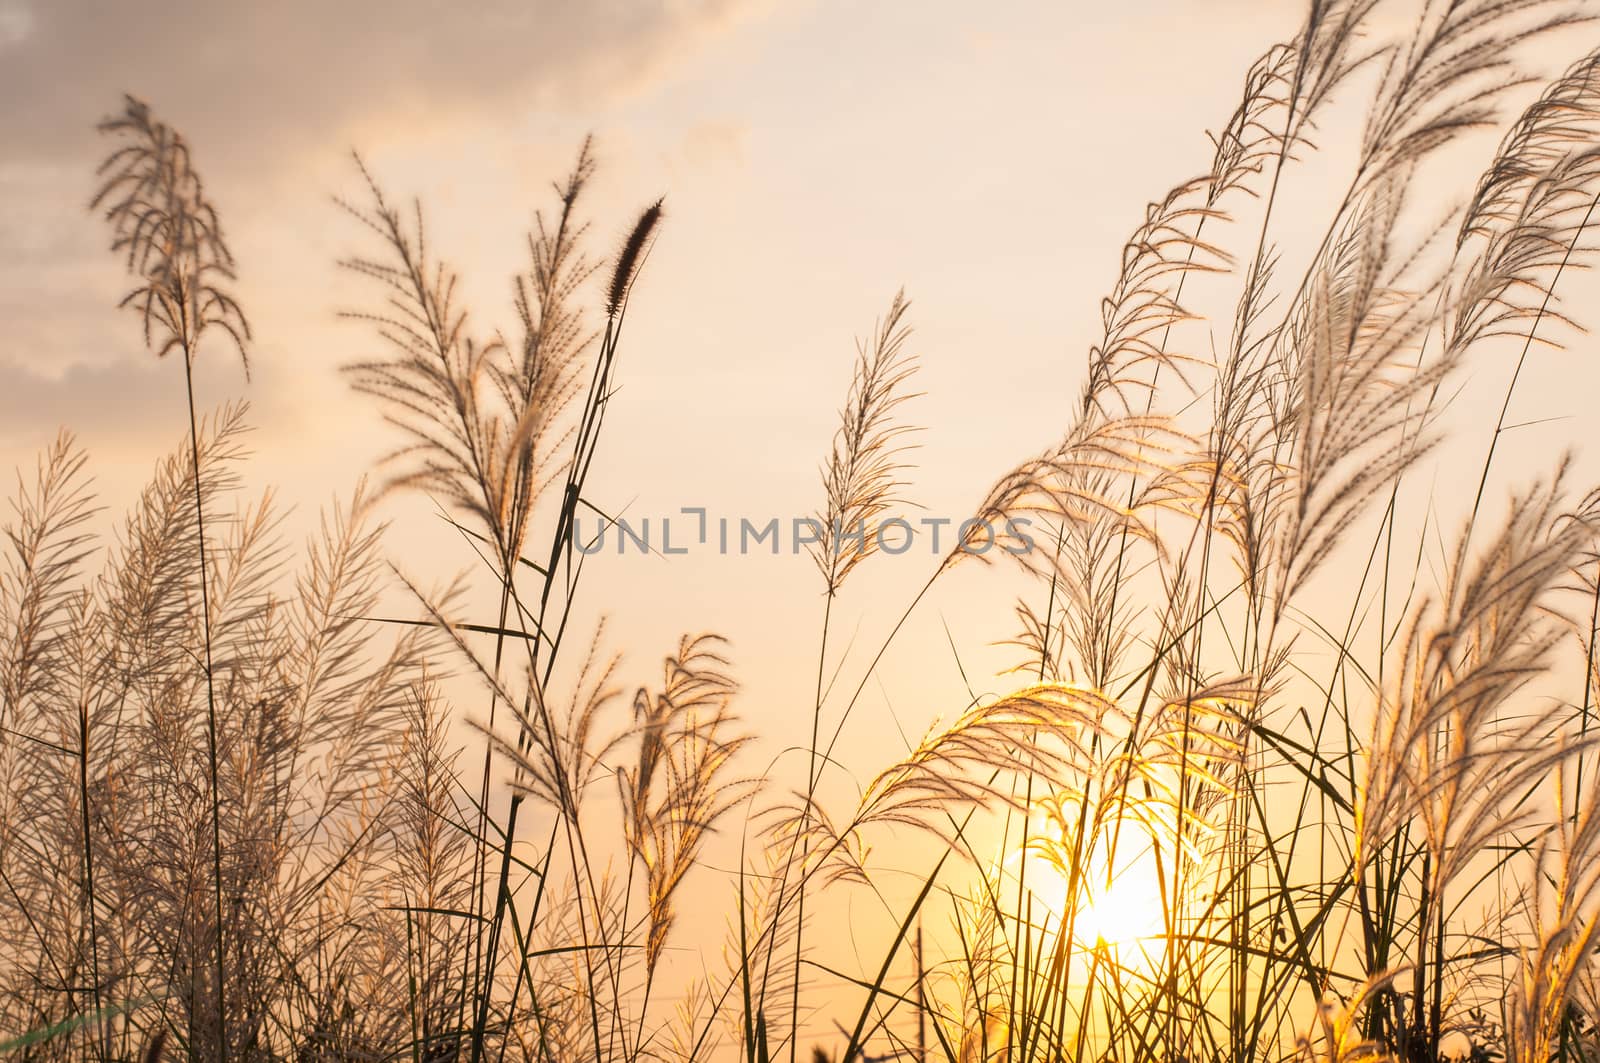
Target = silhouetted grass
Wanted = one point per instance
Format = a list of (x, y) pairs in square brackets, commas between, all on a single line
[(1272, 781)]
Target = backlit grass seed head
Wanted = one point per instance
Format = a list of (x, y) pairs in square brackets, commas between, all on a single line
[(862, 476), (632, 256), (167, 228)]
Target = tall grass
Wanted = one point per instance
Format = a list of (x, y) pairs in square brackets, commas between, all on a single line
[(1270, 780)]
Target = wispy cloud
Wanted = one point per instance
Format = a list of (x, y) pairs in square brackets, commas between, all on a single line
[(270, 80), (123, 401)]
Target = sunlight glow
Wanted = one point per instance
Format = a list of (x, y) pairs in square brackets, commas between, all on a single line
[(1120, 912), (1125, 910)]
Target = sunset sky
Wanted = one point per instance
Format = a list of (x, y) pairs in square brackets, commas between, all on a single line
[(815, 157)]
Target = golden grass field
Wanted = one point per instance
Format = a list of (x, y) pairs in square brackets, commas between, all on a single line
[(1291, 753)]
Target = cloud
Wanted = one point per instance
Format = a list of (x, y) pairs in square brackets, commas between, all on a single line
[(118, 403), (133, 401), (58, 284), (260, 82), (268, 92)]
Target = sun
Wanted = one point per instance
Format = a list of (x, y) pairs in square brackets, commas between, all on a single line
[(1118, 910), (1125, 907)]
